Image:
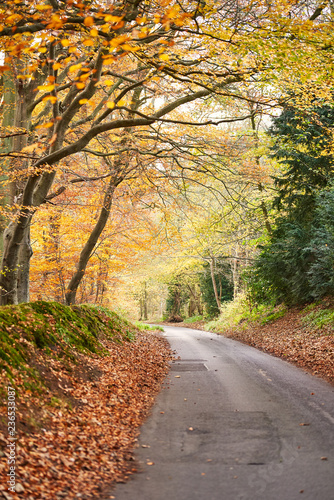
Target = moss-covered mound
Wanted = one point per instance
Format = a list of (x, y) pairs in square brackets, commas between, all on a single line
[(57, 330)]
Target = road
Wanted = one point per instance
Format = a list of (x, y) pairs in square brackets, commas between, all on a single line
[(234, 423)]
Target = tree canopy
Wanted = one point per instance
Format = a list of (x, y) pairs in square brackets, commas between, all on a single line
[(104, 99)]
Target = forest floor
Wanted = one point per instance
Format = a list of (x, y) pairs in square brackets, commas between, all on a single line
[(76, 440)]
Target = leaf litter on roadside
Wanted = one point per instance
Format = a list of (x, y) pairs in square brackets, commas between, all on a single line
[(78, 447)]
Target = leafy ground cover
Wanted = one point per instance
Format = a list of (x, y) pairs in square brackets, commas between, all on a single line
[(84, 380), (302, 335)]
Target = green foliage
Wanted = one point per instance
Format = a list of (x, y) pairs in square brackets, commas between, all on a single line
[(231, 315), (145, 327), (273, 316), (318, 319), (224, 287), (178, 296), (297, 265), (184, 295), (303, 145), (321, 271), (259, 289), (238, 314), (193, 319), (280, 272)]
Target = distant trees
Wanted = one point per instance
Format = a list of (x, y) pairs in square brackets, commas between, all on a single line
[(191, 292)]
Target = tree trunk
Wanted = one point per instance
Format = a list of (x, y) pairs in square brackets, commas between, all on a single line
[(14, 235), (196, 300), (235, 272), (259, 185), (177, 300), (145, 302), (25, 254), (14, 280), (6, 146), (141, 308), (91, 242), (214, 284)]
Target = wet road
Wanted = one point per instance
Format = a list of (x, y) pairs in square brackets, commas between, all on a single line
[(233, 423)]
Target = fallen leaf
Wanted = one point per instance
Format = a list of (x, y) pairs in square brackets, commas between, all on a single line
[(19, 488)]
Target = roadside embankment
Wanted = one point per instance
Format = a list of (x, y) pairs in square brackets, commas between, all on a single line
[(302, 335), (75, 384)]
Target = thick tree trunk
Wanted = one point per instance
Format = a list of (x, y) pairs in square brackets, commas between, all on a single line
[(8, 277), (6, 146), (14, 235), (14, 280)]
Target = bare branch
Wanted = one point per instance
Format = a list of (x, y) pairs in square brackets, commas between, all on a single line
[(13, 135), (61, 189)]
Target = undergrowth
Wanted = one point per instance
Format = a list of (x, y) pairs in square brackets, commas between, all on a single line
[(319, 318), (238, 313)]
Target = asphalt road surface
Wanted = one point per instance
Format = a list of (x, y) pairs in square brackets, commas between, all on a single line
[(233, 423)]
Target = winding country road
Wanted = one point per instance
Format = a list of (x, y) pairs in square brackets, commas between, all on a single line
[(233, 423)]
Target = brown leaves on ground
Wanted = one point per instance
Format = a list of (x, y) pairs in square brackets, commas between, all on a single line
[(78, 450), (290, 339)]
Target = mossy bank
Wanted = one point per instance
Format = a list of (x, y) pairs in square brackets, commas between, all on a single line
[(54, 331)]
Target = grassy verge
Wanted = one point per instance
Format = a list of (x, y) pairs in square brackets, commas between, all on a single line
[(193, 319), (145, 327)]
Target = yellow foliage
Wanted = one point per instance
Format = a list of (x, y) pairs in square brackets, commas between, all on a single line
[(89, 21), (46, 88), (75, 67)]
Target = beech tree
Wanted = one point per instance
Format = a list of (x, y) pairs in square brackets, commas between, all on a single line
[(72, 69)]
